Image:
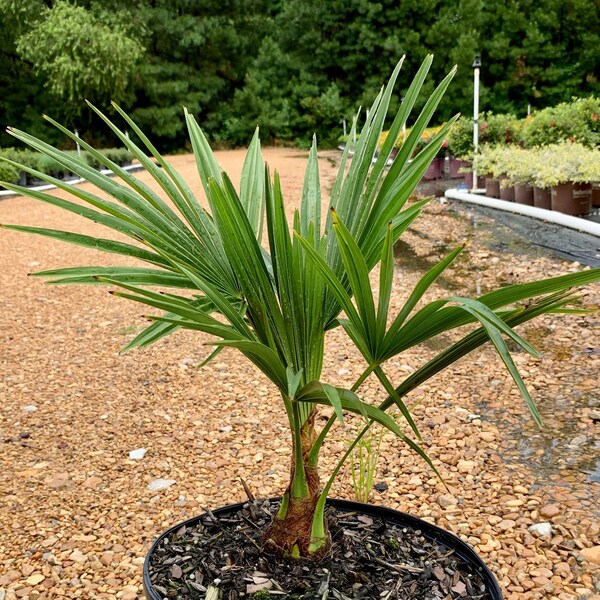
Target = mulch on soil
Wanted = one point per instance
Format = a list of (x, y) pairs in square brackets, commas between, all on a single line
[(369, 558)]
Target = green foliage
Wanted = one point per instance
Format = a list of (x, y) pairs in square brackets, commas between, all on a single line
[(81, 54), (21, 156), (262, 100), (296, 67), (499, 129), (576, 121), (121, 156), (542, 167), (198, 54), (8, 173), (460, 139), (363, 463), (392, 542), (49, 165), (274, 304), (493, 130), (538, 52)]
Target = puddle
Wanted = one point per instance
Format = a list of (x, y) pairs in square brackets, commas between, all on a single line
[(565, 450), (562, 451)]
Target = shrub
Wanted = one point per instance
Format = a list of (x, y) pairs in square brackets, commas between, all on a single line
[(8, 173), (50, 166), (493, 130), (428, 134), (460, 139), (24, 157), (118, 155), (499, 129), (562, 163), (542, 167), (576, 121)]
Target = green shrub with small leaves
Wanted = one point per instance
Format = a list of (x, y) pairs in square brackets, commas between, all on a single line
[(8, 173), (460, 139), (577, 121), (543, 167)]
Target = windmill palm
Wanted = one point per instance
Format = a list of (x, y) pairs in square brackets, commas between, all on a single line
[(275, 304)]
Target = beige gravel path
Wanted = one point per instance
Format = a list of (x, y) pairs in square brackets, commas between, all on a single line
[(76, 514)]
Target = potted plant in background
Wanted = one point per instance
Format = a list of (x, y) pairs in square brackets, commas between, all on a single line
[(486, 162), (521, 174), (565, 169), (275, 305), (460, 147)]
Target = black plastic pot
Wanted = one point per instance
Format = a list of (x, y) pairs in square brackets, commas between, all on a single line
[(429, 531)]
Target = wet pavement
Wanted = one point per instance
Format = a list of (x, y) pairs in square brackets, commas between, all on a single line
[(567, 449), (523, 235)]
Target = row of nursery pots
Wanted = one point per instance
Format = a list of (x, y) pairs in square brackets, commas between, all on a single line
[(448, 166), (576, 199), (564, 174)]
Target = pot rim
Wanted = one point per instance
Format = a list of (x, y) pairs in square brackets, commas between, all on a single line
[(432, 532)]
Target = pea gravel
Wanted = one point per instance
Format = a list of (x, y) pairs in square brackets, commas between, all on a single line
[(77, 513)]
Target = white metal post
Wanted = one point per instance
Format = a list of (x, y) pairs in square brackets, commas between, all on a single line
[(476, 69), (77, 144)]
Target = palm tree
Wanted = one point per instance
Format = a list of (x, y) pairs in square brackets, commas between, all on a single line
[(276, 304)]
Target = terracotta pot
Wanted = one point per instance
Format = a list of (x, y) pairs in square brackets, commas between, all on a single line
[(469, 181), (524, 194), (596, 195), (435, 169), (507, 193), (541, 198), (454, 544), (492, 187), (562, 199), (582, 193), (455, 166)]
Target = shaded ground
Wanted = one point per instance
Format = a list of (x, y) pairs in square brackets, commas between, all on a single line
[(77, 514)]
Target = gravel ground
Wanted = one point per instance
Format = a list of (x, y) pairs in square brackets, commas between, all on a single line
[(77, 514)]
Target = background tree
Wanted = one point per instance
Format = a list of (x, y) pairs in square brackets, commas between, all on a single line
[(293, 66), (82, 53), (539, 52), (198, 54)]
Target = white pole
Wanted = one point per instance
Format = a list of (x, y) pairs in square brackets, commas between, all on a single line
[(475, 118), (77, 144), (344, 125)]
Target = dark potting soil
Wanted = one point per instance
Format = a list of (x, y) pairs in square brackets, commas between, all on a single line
[(369, 558)]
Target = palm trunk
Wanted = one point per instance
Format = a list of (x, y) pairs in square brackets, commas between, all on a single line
[(291, 532)]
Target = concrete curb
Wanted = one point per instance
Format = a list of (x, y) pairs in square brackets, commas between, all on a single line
[(50, 186), (549, 216)]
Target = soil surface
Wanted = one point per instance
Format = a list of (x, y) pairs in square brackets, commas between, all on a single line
[(79, 508)]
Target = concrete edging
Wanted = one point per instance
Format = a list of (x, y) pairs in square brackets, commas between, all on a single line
[(550, 216), (51, 186)]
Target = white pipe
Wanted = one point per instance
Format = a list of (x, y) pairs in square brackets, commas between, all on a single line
[(551, 216)]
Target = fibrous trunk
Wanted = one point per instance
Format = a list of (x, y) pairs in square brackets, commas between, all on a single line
[(291, 531)]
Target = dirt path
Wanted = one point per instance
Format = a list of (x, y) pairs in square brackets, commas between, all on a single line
[(76, 514)]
